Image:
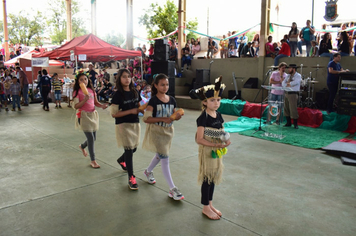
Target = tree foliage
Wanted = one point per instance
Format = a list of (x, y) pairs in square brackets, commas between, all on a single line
[(24, 29), (160, 21), (57, 21), (114, 38)]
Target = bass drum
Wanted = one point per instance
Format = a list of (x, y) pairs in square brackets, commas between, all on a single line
[(304, 84)]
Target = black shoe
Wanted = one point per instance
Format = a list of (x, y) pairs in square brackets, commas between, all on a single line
[(122, 164), (132, 183), (295, 122), (289, 122)]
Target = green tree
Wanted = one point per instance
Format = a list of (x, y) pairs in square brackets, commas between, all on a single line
[(114, 38), (24, 29), (160, 21), (57, 21)]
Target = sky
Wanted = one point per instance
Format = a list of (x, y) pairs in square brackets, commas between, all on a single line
[(224, 15)]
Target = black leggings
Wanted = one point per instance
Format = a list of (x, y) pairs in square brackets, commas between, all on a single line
[(207, 192), (45, 92), (127, 158)]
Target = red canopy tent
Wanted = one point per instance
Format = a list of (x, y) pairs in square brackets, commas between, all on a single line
[(95, 49)]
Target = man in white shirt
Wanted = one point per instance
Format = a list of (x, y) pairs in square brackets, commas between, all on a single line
[(291, 97)]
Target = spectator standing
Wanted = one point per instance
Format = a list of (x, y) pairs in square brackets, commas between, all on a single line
[(45, 84), (23, 84), (15, 91), (293, 39), (332, 81), (151, 51), (212, 48), (173, 54), (256, 43), (224, 47), (306, 35), (58, 88)]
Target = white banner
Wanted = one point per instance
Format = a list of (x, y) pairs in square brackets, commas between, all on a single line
[(40, 62)]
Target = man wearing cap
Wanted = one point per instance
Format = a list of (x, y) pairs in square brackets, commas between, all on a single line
[(92, 74), (291, 97), (246, 50)]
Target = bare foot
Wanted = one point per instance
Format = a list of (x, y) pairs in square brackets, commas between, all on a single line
[(215, 210), (209, 213), (94, 164), (83, 150)]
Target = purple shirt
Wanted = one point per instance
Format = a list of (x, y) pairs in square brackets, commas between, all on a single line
[(15, 89), (277, 78)]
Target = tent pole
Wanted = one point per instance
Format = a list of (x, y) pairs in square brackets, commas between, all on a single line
[(141, 69)]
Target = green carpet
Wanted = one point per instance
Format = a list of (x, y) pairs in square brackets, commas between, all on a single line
[(303, 137)]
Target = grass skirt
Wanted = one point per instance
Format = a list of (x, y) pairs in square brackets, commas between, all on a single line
[(158, 139)]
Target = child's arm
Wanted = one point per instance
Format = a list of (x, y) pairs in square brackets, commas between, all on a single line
[(98, 104), (81, 103), (150, 119), (200, 140)]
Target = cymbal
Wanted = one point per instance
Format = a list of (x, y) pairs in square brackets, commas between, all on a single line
[(317, 66), (313, 81)]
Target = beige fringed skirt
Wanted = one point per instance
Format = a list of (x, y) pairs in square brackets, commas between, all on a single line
[(210, 168), (89, 121), (158, 139), (128, 135)]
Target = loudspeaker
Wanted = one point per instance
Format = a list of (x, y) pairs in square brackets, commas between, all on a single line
[(161, 52), (321, 99), (167, 68), (161, 41), (251, 83), (202, 77)]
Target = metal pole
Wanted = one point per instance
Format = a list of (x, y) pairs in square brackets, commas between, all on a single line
[(93, 17), (6, 33), (129, 24), (69, 20), (312, 20)]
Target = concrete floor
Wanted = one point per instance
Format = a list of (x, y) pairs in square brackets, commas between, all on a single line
[(48, 188)]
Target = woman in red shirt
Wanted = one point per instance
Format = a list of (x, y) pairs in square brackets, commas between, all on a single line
[(283, 52)]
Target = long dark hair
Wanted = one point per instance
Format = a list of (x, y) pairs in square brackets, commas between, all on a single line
[(293, 30), (119, 85), (156, 79), (76, 85)]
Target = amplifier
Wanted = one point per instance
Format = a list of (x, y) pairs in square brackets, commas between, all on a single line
[(346, 102), (347, 93), (347, 111)]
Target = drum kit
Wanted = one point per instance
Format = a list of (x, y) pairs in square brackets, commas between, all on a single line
[(307, 85)]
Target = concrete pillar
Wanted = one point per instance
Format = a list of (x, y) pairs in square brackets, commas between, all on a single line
[(6, 33), (182, 6), (265, 9), (69, 20), (93, 17), (129, 24)]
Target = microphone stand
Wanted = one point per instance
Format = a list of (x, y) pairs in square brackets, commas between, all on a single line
[(260, 126), (212, 61)]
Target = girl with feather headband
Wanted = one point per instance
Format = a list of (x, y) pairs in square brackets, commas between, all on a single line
[(212, 141)]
